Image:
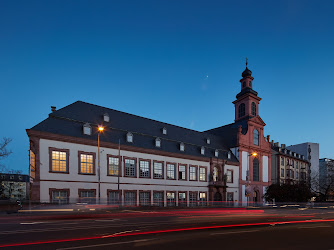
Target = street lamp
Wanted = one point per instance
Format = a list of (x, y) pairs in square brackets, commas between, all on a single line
[(254, 154), (100, 130)]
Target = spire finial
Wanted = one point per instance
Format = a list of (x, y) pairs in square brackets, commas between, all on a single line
[(246, 62)]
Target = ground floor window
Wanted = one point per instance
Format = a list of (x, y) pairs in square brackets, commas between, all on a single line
[(202, 199), (114, 198), (192, 199), (170, 199), (145, 198), (230, 198), (59, 197), (182, 199), (130, 198), (158, 199), (87, 196)]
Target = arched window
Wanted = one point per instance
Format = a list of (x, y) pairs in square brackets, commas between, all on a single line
[(242, 110), (255, 169), (253, 109), (256, 137), (215, 174), (250, 83), (244, 84)]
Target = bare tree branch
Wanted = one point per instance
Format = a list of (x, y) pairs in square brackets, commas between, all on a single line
[(4, 152)]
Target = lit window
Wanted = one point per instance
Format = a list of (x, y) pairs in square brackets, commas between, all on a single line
[(182, 199), (193, 173), (86, 163), (256, 137), (216, 153), (129, 137), (253, 109), (202, 174), (32, 161), (171, 202), (215, 174), (113, 165), (171, 171), (87, 129), (202, 199), (202, 150), (181, 146), (158, 142), (130, 168), (182, 172), (164, 131), (158, 170), (144, 169), (242, 109), (59, 161), (106, 117), (229, 176)]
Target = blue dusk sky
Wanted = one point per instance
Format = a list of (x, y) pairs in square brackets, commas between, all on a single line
[(178, 62)]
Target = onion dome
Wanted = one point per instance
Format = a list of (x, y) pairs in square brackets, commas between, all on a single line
[(246, 73)]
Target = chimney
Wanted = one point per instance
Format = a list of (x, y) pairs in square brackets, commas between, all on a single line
[(268, 138), (53, 108), (272, 142), (276, 144), (283, 145)]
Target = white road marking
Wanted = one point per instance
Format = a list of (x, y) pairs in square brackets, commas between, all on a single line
[(236, 232), (47, 210), (30, 223), (106, 244)]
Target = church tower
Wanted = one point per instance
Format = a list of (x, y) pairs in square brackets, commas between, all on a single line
[(247, 103)]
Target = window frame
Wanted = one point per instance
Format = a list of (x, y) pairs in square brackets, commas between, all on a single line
[(256, 137), (182, 147), (175, 198), (129, 134), (136, 198), (67, 151), (67, 190), (258, 169), (253, 109), (157, 140), (116, 191), (174, 164), (178, 199), (129, 158), (196, 168), (205, 172), (79, 162), (149, 168), (241, 110), (202, 203), (232, 175), (178, 172), (162, 204), (193, 203), (162, 169), (119, 165), (86, 190), (150, 198)]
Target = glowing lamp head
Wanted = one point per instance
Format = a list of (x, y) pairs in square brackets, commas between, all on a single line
[(254, 154), (101, 129)]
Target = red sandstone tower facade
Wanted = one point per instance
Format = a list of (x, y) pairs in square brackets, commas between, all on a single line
[(252, 148)]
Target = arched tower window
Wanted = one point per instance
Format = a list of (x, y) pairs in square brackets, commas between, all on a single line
[(242, 108), (255, 169), (256, 137), (244, 84), (253, 109)]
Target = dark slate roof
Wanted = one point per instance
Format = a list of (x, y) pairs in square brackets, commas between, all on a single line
[(281, 151), (229, 132), (69, 121), (245, 91)]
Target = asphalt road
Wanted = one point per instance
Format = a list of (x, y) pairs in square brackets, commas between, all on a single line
[(203, 228)]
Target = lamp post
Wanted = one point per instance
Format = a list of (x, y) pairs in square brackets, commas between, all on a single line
[(247, 174), (100, 130)]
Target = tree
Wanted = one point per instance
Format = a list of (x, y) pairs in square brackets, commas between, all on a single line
[(323, 182), (4, 152), (288, 193)]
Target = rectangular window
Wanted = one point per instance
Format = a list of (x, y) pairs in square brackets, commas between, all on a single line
[(182, 172), (59, 161), (282, 161), (114, 198), (202, 199), (182, 199), (32, 161), (130, 167), (229, 176), (287, 173), (158, 170), (230, 199), (113, 165), (158, 199), (144, 169), (170, 199), (171, 171), (292, 174), (297, 164), (193, 173), (192, 199), (297, 175), (202, 174), (282, 172), (130, 198), (86, 163), (145, 198), (87, 196), (59, 197)]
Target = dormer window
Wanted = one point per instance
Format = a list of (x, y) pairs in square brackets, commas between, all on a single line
[(129, 137), (158, 142), (208, 141), (164, 131), (216, 153), (87, 129), (229, 155), (181, 146), (202, 150), (106, 117)]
